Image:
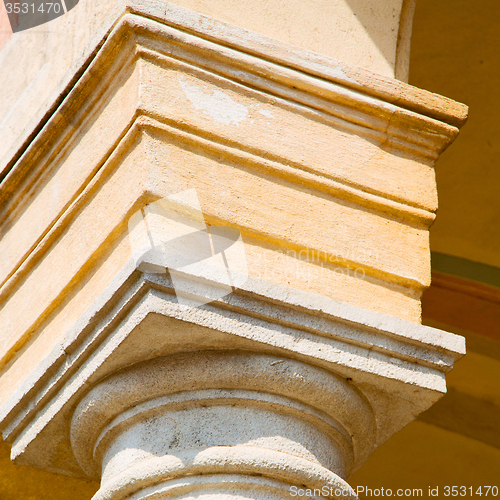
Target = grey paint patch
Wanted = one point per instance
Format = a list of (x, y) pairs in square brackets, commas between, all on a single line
[(218, 105), (266, 112), (339, 73)]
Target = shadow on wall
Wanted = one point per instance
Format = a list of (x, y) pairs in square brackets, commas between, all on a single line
[(373, 14), (39, 484)]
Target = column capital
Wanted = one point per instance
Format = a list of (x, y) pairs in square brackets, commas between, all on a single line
[(384, 370), (324, 170)]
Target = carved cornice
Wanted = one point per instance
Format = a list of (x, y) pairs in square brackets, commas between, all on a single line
[(385, 110), (361, 145)]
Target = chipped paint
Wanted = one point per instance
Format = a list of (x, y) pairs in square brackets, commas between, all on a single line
[(216, 104), (266, 112), (338, 72)]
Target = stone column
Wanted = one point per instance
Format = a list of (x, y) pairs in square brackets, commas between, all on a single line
[(238, 424), (215, 246)]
